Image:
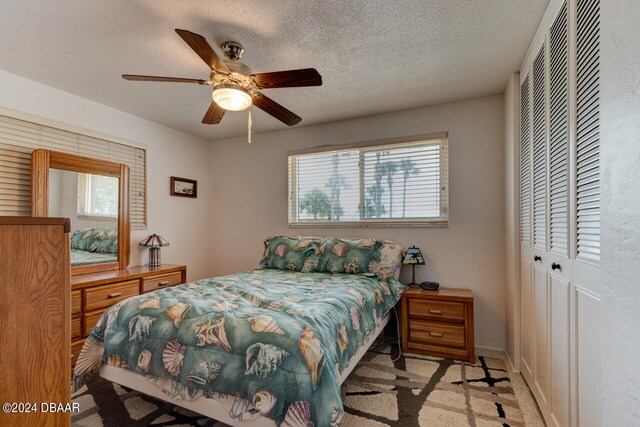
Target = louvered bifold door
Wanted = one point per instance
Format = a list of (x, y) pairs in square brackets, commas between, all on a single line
[(525, 163), (558, 135), (586, 270), (539, 152), (587, 131)]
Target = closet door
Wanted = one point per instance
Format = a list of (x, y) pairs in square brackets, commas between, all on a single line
[(586, 271), (560, 215), (540, 274), (526, 267), (561, 269)]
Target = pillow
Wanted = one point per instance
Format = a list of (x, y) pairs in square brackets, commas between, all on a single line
[(95, 240), (290, 253), (391, 254), (351, 256)]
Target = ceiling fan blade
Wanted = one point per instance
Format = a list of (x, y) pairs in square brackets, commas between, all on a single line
[(214, 114), (203, 49), (270, 106), (290, 78), (135, 77)]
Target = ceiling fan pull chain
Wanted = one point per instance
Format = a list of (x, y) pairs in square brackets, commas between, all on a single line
[(249, 126)]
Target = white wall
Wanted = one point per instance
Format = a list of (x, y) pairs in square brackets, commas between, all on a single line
[(169, 152), (512, 218), (620, 228), (249, 190)]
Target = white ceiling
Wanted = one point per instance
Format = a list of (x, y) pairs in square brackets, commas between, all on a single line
[(374, 56)]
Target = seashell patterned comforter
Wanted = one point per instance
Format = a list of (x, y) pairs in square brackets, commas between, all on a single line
[(272, 342)]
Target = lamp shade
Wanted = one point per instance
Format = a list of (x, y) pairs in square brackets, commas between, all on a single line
[(413, 256), (154, 241), (231, 97)]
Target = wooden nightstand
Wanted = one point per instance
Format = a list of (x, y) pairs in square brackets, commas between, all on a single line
[(438, 323)]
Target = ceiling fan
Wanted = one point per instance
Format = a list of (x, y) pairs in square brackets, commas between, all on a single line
[(235, 86)]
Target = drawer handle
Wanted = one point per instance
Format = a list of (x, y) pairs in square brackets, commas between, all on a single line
[(114, 295), (432, 311), (537, 258), (163, 283), (435, 334), (555, 266)]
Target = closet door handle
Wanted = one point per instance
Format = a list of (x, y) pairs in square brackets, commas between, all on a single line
[(555, 266), (537, 258), (114, 295), (435, 334)]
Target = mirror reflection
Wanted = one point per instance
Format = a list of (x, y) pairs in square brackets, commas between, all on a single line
[(91, 202)]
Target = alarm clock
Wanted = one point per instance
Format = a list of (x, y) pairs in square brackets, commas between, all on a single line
[(429, 286)]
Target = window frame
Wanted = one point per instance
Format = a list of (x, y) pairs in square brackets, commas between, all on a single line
[(440, 222)]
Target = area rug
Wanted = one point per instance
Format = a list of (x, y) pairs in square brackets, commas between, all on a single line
[(384, 390)]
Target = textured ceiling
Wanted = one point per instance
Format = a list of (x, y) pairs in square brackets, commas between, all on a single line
[(374, 56)]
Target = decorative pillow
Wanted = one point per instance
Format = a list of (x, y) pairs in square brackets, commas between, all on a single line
[(391, 254), (351, 256), (290, 253), (95, 240)]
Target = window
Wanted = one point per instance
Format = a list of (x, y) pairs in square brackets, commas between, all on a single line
[(390, 182), (18, 138), (97, 196)]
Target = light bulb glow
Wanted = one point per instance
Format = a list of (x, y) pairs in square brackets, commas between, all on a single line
[(231, 97)]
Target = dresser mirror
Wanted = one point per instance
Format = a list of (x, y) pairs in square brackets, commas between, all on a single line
[(94, 195)]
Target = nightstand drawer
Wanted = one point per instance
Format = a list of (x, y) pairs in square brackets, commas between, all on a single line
[(90, 321), (162, 281), (106, 296), (436, 333), (76, 302), (76, 327), (436, 310)]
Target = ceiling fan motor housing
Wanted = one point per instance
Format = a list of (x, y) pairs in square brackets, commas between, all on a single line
[(232, 50)]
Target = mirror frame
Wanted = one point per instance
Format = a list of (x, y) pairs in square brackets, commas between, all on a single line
[(43, 160)]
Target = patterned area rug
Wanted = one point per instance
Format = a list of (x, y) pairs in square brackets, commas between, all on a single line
[(413, 391)]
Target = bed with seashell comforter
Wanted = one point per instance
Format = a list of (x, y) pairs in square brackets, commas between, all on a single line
[(273, 343)]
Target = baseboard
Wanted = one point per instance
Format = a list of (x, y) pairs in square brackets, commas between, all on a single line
[(512, 366), (486, 347)]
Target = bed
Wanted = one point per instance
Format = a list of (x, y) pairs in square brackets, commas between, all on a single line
[(81, 257), (91, 245), (264, 347)]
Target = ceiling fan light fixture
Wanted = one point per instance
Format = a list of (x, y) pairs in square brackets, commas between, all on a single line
[(231, 97)]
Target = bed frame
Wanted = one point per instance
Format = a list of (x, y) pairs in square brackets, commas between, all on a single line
[(211, 407)]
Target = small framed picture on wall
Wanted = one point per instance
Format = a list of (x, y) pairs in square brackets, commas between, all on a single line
[(183, 187)]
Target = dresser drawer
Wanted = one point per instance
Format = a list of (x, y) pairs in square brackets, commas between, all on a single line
[(436, 333), (153, 283), (76, 327), (106, 296), (90, 320), (76, 302), (436, 310), (76, 348)]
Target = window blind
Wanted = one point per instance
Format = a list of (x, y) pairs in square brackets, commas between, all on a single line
[(97, 196), (539, 152), (401, 182), (558, 133), (18, 139), (525, 166), (588, 130)]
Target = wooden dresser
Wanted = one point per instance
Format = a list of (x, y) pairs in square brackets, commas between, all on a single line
[(92, 294), (438, 323), (34, 319)]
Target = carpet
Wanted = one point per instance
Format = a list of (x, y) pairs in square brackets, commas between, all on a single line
[(412, 391)]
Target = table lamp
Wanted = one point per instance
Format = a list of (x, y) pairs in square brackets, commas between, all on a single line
[(154, 243), (413, 257)]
